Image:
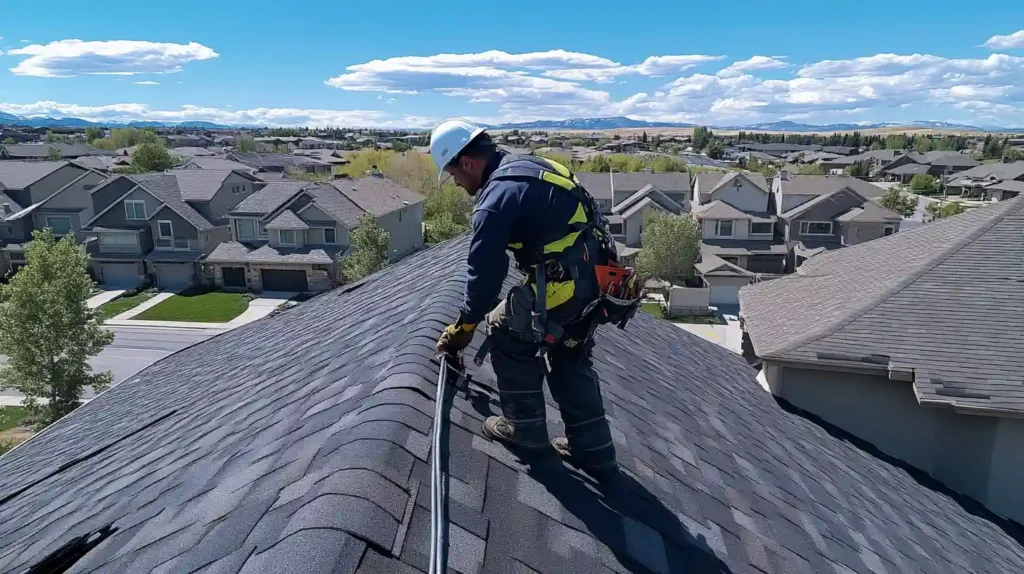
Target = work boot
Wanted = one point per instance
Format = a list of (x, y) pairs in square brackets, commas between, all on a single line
[(502, 430), (605, 474)]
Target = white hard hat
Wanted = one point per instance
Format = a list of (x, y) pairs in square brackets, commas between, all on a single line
[(449, 138)]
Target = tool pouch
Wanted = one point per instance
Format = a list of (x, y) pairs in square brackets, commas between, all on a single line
[(612, 310)]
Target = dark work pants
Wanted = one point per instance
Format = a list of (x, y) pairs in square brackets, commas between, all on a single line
[(573, 382)]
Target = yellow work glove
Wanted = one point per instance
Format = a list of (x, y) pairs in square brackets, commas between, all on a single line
[(455, 338)]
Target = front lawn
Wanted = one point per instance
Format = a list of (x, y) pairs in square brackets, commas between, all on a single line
[(11, 417), (652, 308), (210, 307), (122, 304)]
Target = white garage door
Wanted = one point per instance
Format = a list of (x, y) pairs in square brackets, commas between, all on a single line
[(174, 276), (725, 295), (120, 275)]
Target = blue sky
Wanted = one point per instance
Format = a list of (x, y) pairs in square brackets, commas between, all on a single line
[(410, 64)]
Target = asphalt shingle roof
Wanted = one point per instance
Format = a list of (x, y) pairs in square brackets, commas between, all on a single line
[(645, 196), (218, 164), (67, 151), (334, 203), (999, 170), (599, 185), (870, 211), (234, 252), (10, 203), (164, 186), (377, 194), (828, 184), (719, 210), (270, 198), (199, 184), (299, 443), (937, 299), (742, 247), (287, 220), (909, 169), (21, 174), (274, 160)]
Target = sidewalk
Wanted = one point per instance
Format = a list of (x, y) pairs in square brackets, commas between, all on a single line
[(104, 297), (163, 296)]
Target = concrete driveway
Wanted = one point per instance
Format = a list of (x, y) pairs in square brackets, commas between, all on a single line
[(729, 335)]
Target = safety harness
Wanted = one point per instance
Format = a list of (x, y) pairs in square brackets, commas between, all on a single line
[(554, 267)]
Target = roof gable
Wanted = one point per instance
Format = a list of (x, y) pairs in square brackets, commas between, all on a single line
[(310, 447), (22, 174), (650, 193)]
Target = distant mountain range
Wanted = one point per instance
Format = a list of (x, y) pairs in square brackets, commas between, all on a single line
[(594, 124)]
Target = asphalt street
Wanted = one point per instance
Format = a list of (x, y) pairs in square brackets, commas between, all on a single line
[(135, 348)]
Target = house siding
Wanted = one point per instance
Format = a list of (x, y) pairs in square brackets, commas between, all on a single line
[(76, 197), (745, 197), (825, 211), (214, 237), (854, 233), (104, 196), (115, 218), (180, 226), (15, 231), (224, 201), (976, 455), (50, 184), (407, 235), (739, 229)]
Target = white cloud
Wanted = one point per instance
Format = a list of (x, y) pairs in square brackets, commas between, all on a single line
[(753, 64), (1015, 40), (257, 116), (25, 41), (67, 58), (147, 83)]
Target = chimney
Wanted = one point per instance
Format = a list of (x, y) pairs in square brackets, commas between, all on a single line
[(783, 175), (6, 208)]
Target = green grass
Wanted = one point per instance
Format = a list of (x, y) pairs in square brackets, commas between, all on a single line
[(122, 304), (652, 308), (211, 307), (698, 319), (10, 417)]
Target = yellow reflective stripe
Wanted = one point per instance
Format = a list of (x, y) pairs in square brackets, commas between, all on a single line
[(562, 244), (580, 216), (557, 293), (561, 169), (515, 245), (558, 180)]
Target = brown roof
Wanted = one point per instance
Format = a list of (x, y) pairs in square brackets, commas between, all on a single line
[(377, 194)]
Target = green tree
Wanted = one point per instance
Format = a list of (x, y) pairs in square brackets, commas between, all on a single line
[(877, 145), (370, 250), (898, 202), (151, 157), (245, 142), (48, 332), (992, 148), (1013, 153), (51, 137), (924, 145), (941, 209), (858, 169), (671, 245), (812, 169), (93, 133), (922, 182), (53, 154), (643, 138), (701, 137), (715, 150), (8, 140)]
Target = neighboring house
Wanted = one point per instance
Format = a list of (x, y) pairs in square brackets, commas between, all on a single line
[(287, 236), (188, 140), (627, 217), (329, 156), (162, 225), (913, 344), (994, 181), (610, 189), (225, 140), (218, 164), (38, 194), (280, 163), (41, 151), (935, 163), (874, 158), (302, 444), (737, 222), (823, 212), (722, 278), (187, 153)]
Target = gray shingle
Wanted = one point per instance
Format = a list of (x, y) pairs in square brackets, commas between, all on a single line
[(827, 184), (867, 299), (199, 184), (717, 476), (21, 174), (270, 198), (600, 186), (335, 204), (995, 171), (287, 220), (377, 194), (164, 186), (234, 252), (217, 163)]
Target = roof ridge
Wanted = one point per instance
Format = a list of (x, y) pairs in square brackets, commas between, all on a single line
[(912, 278)]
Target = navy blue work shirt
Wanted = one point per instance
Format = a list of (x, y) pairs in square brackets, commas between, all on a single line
[(528, 211)]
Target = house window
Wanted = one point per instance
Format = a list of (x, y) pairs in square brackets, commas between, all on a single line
[(330, 236), (236, 189), (135, 210), (756, 227), (245, 229), (815, 228), (117, 239), (615, 228), (61, 226), (889, 230), (164, 234), (262, 230), (723, 227), (287, 236)]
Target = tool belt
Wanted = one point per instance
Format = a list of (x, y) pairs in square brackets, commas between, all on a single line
[(620, 294)]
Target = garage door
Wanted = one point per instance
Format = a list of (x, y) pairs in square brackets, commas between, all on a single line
[(120, 275), (284, 280), (725, 295), (174, 276)]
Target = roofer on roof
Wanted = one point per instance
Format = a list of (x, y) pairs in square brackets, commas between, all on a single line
[(536, 208)]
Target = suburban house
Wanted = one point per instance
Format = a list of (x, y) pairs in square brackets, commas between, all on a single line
[(992, 181), (217, 164), (934, 163), (818, 213), (874, 158), (188, 140), (280, 163), (288, 235), (913, 344), (41, 151), (301, 443), (161, 225), (38, 194), (737, 221)]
